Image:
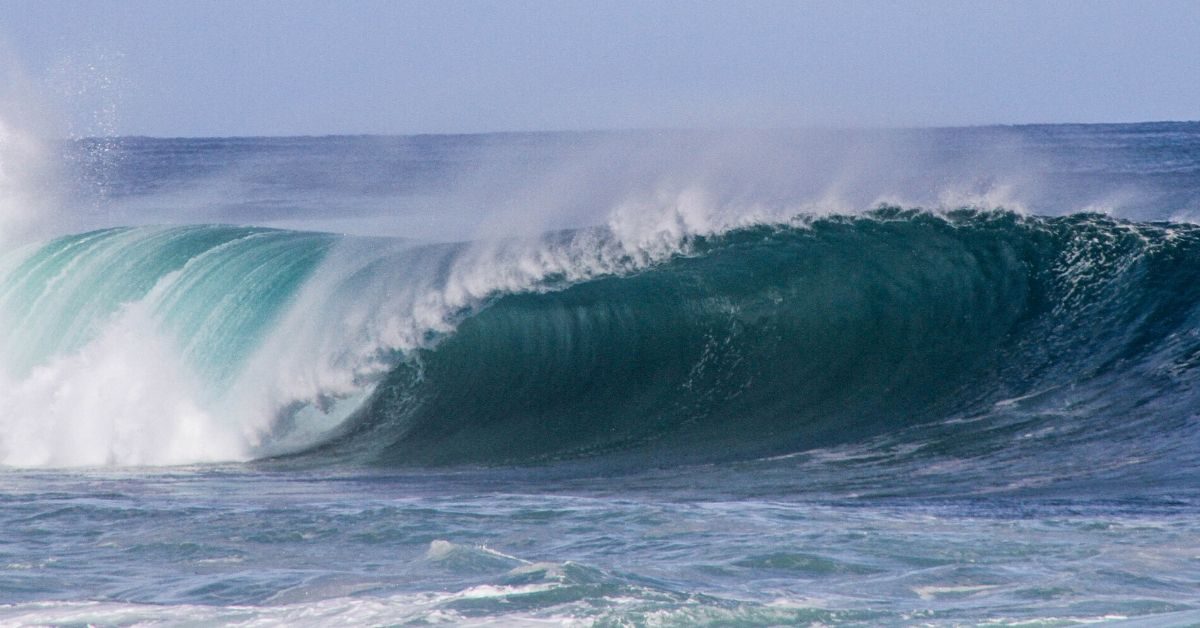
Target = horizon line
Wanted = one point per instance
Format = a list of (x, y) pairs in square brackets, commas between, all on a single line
[(603, 131)]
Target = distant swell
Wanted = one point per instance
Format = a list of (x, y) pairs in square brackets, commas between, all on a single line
[(962, 333)]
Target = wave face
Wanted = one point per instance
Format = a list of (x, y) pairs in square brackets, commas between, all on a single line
[(169, 345), (770, 340)]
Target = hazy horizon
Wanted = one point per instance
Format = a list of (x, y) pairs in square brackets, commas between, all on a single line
[(652, 130)]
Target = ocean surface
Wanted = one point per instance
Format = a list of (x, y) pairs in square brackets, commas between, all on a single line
[(653, 378)]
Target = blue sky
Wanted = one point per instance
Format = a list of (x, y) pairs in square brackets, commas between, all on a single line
[(282, 68)]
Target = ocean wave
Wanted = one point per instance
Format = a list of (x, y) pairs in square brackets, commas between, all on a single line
[(703, 343)]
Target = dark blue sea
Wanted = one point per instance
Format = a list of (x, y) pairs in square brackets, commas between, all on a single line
[(922, 377)]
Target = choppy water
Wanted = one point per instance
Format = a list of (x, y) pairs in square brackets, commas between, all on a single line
[(236, 545), (650, 379)]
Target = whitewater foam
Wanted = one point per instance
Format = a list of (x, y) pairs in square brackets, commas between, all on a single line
[(124, 399), (121, 342)]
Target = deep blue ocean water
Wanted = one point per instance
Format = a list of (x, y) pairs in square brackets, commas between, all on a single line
[(914, 377)]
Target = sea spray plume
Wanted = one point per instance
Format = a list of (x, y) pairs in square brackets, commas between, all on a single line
[(538, 183), (486, 187), (30, 161), (24, 181)]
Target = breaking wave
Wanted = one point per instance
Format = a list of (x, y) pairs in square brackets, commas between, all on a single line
[(193, 344)]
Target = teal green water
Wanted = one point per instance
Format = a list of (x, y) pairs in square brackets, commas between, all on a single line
[(217, 289)]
